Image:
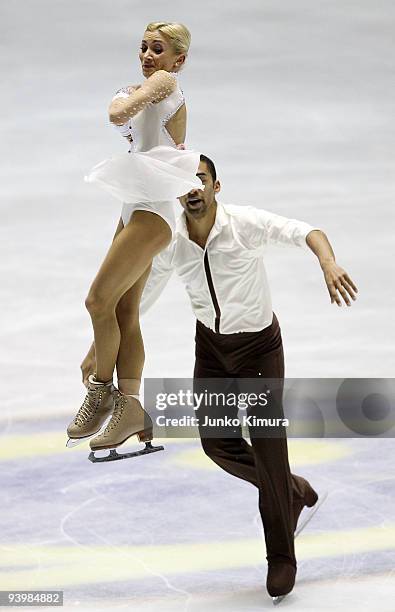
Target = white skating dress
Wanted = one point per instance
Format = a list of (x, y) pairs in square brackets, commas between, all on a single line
[(154, 173)]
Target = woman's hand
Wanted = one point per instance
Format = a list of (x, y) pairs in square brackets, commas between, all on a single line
[(132, 88), (181, 146), (88, 366), (338, 282), (116, 110)]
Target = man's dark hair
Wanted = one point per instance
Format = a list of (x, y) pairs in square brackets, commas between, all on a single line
[(210, 165)]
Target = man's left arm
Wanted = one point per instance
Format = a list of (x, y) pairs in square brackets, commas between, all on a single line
[(268, 228), (337, 280)]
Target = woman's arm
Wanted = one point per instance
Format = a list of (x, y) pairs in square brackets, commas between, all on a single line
[(157, 87)]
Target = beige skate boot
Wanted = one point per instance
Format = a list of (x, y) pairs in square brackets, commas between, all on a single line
[(129, 418), (95, 410)]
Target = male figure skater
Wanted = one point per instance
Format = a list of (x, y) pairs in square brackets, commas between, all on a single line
[(217, 251)]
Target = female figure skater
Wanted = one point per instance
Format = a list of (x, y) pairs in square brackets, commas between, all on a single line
[(148, 179)]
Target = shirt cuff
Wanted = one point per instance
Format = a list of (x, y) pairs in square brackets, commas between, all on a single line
[(305, 229)]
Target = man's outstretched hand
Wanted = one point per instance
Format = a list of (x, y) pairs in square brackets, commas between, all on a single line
[(339, 283)]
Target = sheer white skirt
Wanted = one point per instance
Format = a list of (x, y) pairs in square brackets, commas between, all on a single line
[(149, 180)]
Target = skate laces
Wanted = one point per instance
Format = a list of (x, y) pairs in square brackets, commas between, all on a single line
[(120, 402), (87, 410)]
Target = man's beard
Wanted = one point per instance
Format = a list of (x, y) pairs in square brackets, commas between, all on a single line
[(197, 213)]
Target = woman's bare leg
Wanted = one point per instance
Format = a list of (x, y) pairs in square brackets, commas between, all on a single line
[(127, 259), (131, 355)]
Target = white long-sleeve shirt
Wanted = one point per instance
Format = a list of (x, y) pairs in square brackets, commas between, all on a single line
[(226, 281)]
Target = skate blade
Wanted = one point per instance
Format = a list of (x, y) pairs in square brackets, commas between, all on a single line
[(114, 455), (277, 600), (310, 512), (71, 442)]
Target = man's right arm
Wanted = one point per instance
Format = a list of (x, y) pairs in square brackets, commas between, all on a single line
[(160, 274)]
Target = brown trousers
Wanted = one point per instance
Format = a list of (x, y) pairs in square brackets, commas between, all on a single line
[(265, 462)]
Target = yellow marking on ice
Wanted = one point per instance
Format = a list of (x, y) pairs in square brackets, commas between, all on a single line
[(53, 442), (301, 452), (64, 566), (310, 452)]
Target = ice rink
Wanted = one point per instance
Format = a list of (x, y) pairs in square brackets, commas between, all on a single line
[(294, 102)]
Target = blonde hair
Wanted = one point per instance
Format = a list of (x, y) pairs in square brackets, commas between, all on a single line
[(177, 33)]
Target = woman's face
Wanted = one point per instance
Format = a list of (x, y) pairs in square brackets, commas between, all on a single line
[(156, 53)]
